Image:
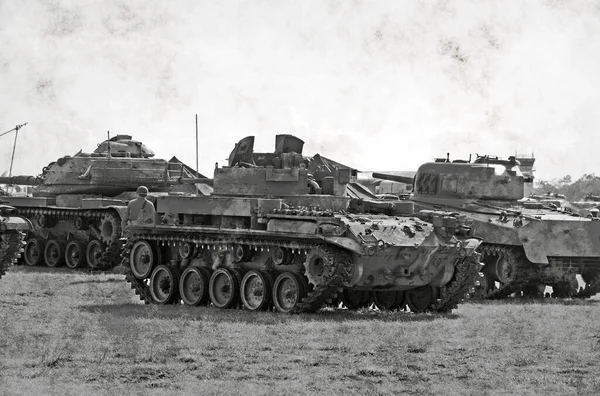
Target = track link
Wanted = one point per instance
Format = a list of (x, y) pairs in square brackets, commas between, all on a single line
[(459, 286), (315, 299), (338, 269)]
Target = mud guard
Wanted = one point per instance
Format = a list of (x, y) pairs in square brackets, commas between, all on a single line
[(345, 243)]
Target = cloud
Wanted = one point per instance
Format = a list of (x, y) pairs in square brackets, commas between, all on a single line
[(377, 85)]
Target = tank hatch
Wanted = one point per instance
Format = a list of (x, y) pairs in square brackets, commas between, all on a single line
[(124, 146)]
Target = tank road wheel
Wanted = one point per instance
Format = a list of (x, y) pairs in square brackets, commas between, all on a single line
[(384, 299), (93, 253), (256, 289), (142, 259), (355, 299), (400, 300), (193, 286), (535, 290), (419, 299), (54, 253), (164, 284), (485, 284), (75, 254), (34, 249), (565, 289), (288, 290), (505, 268), (223, 288), (110, 228)]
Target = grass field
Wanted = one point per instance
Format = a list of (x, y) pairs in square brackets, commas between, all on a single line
[(76, 333)]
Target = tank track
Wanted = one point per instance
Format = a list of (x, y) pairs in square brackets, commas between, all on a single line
[(342, 268), (459, 286), (521, 276), (312, 302), (110, 256), (11, 247)]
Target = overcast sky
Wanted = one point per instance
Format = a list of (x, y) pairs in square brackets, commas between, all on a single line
[(382, 85)]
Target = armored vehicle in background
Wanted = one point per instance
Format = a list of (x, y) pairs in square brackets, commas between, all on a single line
[(588, 205), (12, 233), (77, 203), (274, 235), (526, 245)]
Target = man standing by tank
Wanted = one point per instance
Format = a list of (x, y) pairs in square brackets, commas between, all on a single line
[(139, 210)]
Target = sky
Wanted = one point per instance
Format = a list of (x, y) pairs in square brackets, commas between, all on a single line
[(377, 85)]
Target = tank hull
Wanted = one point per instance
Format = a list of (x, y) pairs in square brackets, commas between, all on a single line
[(229, 240), (548, 247)]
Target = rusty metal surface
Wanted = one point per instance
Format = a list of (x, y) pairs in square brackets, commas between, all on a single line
[(321, 231), (554, 242)]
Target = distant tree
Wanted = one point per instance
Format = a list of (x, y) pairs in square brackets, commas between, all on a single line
[(587, 184)]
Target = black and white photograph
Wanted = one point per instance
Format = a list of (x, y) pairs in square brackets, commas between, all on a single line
[(302, 197)]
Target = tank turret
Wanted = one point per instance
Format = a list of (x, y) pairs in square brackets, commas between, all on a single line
[(527, 245), (273, 233)]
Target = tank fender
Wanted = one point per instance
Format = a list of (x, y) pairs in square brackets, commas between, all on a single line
[(15, 223), (120, 210), (344, 242)]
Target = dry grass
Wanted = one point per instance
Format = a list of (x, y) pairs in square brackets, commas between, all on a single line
[(65, 333)]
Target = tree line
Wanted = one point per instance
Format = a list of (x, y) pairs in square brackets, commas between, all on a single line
[(573, 190)]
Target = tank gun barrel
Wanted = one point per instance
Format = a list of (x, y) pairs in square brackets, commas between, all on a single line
[(22, 180), (395, 178)]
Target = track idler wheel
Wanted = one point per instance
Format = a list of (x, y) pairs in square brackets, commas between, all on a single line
[(54, 253), (34, 251), (224, 288), (93, 254), (193, 286), (164, 284), (288, 290), (143, 257), (419, 299), (256, 289), (75, 254)]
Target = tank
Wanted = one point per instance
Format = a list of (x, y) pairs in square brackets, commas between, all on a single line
[(12, 234), (527, 245), (77, 202), (273, 235), (588, 205)]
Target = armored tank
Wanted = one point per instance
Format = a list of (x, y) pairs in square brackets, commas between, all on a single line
[(12, 233), (77, 202), (273, 235), (527, 245), (588, 205)]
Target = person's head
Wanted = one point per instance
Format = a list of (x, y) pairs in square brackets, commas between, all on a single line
[(142, 191)]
